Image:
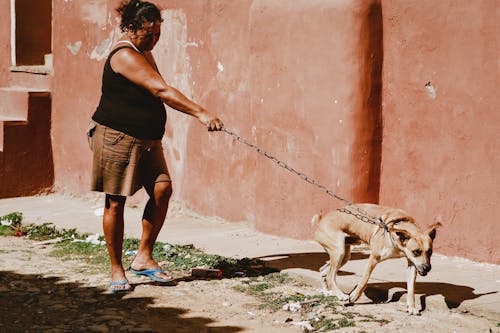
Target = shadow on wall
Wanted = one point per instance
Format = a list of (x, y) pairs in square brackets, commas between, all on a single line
[(372, 34), (51, 305), (26, 163)]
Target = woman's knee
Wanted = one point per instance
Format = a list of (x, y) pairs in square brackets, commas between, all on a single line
[(162, 192), (115, 203)]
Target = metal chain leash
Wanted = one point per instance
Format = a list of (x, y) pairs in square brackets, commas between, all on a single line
[(360, 214)]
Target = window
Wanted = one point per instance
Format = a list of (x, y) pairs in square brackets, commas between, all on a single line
[(31, 35)]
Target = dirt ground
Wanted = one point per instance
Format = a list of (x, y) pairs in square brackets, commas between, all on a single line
[(41, 293)]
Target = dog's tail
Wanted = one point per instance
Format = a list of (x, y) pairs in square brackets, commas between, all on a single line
[(315, 220)]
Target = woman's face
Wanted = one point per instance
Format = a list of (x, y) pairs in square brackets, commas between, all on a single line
[(146, 37)]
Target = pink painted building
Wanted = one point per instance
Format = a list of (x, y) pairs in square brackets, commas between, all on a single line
[(392, 102)]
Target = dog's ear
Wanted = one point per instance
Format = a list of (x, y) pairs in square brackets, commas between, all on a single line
[(431, 231), (403, 235)]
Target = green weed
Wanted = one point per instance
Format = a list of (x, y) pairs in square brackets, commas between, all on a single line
[(179, 258), (96, 255), (7, 231), (261, 289), (14, 218), (9, 224)]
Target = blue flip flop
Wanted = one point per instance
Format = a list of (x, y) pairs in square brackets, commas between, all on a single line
[(150, 273), (120, 284)]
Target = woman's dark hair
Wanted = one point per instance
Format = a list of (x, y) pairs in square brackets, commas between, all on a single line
[(135, 13)]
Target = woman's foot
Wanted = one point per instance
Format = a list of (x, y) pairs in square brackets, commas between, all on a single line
[(120, 286), (149, 268)]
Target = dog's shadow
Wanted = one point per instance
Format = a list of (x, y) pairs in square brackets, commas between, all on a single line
[(311, 261), (453, 294)]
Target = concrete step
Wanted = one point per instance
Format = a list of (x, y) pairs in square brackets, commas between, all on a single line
[(14, 107), (26, 165), (13, 104)]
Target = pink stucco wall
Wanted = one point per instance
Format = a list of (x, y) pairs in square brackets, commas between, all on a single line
[(441, 143), (336, 89)]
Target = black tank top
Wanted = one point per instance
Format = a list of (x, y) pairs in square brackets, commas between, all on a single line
[(129, 108)]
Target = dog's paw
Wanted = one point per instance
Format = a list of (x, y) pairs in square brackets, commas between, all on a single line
[(413, 311), (352, 297), (343, 297), (340, 295)]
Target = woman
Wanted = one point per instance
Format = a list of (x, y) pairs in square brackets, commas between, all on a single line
[(130, 122)]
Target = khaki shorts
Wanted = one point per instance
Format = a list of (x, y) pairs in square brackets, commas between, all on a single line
[(123, 164)]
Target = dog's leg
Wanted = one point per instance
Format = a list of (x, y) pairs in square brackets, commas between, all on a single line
[(336, 257), (356, 293), (347, 255), (410, 289), (323, 272)]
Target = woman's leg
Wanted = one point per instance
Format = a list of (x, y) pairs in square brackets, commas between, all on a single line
[(113, 225), (152, 222)]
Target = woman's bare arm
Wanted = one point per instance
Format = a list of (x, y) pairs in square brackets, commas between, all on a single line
[(137, 69)]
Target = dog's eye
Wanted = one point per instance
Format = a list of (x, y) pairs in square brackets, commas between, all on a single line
[(429, 252), (417, 253)]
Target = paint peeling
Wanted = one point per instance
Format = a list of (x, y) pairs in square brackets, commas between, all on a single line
[(95, 12), (101, 51), (431, 91), (220, 67), (74, 48)]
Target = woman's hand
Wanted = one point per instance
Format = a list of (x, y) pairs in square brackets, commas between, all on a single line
[(213, 123)]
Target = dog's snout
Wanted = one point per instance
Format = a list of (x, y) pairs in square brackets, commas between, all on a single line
[(424, 269)]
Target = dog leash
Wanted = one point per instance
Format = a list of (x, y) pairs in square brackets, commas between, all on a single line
[(359, 213)]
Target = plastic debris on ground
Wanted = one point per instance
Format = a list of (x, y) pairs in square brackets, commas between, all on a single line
[(92, 239), (292, 306)]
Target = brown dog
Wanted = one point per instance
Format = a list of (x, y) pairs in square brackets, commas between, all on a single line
[(340, 229)]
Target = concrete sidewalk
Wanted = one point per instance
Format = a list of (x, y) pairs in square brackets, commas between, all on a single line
[(454, 283)]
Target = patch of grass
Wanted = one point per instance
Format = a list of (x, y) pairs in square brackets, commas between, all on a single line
[(48, 231), (179, 258), (14, 218), (344, 322), (367, 318), (323, 324), (7, 231), (261, 289), (182, 258), (96, 255), (9, 224)]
